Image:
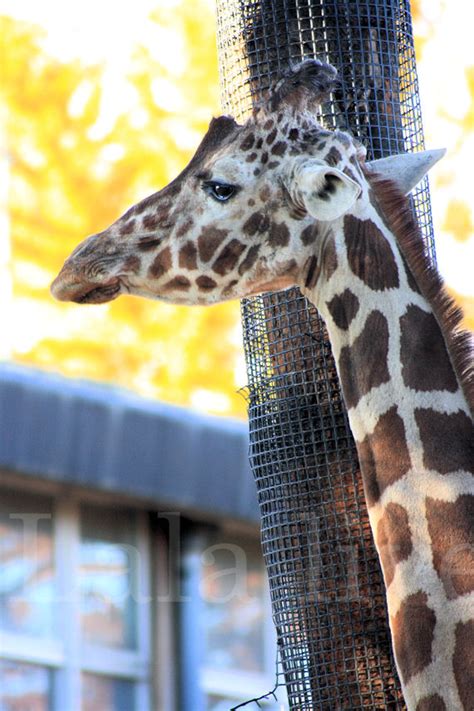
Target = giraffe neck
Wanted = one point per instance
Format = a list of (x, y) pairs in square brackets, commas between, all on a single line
[(413, 430)]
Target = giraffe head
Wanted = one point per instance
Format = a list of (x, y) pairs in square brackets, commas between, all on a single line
[(248, 213)]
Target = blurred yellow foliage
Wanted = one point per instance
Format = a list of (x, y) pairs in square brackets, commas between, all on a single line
[(73, 172), (466, 302), (458, 220)]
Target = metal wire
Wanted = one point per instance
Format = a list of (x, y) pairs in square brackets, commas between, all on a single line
[(326, 586)]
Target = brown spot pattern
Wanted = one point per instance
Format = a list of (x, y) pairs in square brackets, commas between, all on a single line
[(161, 264), (179, 283), (347, 171), (271, 136), (279, 148), (383, 455), (184, 228), (251, 157), (425, 361), (264, 193), (249, 259), (450, 525), (209, 240), (248, 142), (293, 134), (363, 365), (163, 211), (463, 663), (127, 228), (257, 222), (228, 257), (412, 632), (309, 234), (333, 157), (143, 205), (329, 258), (369, 254), (188, 256), (132, 264), (431, 703), (393, 538), (279, 234), (151, 222), (448, 440), (343, 308), (206, 283)]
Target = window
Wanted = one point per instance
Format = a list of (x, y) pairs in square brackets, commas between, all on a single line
[(74, 606), (75, 612), (27, 583), (101, 693), (239, 640), (107, 574), (24, 686), (234, 610)]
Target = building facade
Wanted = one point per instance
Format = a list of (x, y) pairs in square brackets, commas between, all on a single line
[(131, 572)]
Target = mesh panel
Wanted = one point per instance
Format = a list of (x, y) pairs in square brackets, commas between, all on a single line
[(326, 585)]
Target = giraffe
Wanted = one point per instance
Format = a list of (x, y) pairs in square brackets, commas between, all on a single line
[(280, 201)]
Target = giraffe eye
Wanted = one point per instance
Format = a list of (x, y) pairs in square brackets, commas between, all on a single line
[(219, 191)]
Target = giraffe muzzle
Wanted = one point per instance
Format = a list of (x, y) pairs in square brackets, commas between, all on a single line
[(99, 295), (65, 288)]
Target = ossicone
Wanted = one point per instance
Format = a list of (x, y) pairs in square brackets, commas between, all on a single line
[(309, 82)]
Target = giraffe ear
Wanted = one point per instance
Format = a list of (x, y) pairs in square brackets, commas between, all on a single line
[(406, 169), (326, 193)]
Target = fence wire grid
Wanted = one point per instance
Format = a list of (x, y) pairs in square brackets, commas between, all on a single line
[(326, 586)]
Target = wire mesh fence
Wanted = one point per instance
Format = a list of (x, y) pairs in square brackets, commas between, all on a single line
[(326, 585)]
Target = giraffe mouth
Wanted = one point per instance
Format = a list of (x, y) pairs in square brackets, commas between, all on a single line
[(99, 294), (67, 289)]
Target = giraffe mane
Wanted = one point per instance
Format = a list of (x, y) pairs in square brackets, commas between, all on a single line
[(397, 213)]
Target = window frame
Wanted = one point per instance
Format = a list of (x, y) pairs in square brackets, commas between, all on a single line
[(66, 655)]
